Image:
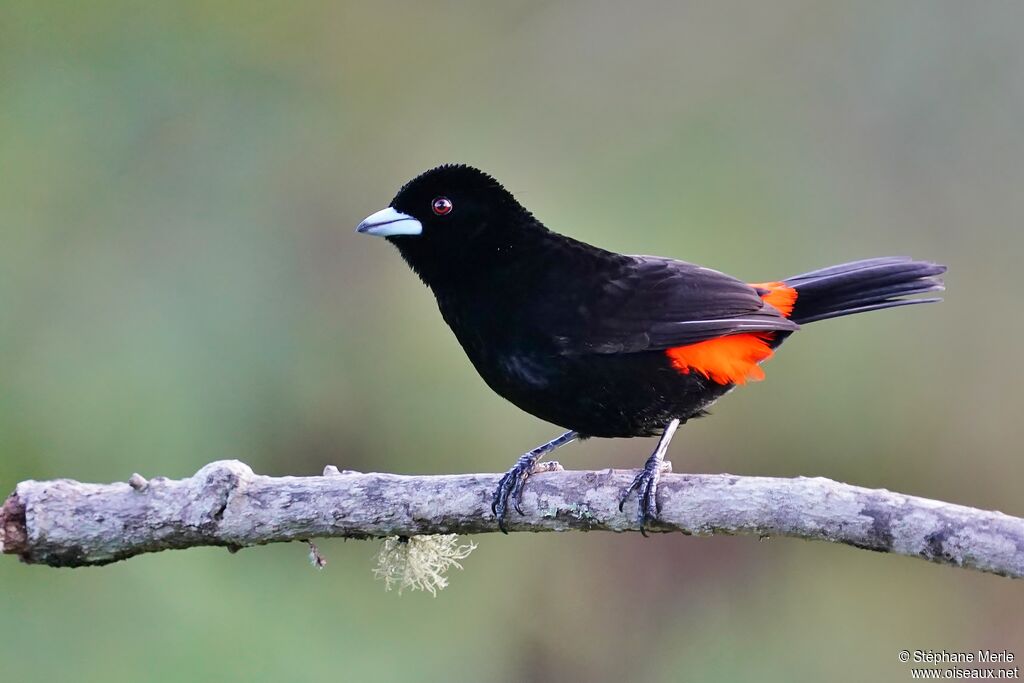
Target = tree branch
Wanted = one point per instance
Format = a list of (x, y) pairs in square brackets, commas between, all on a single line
[(64, 523)]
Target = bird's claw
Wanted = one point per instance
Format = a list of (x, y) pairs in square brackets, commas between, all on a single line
[(510, 488), (646, 485)]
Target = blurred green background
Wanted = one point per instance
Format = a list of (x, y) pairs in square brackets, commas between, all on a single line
[(180, 282)]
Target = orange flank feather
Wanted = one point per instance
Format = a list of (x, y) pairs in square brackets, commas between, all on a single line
[(736, 358), (727, 360)]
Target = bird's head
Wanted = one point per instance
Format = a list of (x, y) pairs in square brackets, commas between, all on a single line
[(451, 219)]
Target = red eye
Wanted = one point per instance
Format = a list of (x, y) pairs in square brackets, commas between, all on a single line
[(441, 206)]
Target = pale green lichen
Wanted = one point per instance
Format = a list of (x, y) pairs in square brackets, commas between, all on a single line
[(419, 562), (576, 510), (580, 511)]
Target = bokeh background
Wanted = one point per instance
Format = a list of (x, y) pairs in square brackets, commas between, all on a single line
[(180, 282)]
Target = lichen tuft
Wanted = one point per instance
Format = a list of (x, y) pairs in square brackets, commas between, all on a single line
[(419, 562)]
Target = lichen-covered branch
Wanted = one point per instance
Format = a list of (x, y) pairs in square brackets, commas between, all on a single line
[(65, 523)]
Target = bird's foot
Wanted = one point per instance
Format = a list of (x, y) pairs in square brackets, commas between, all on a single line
[(646, 485), (510, 488)]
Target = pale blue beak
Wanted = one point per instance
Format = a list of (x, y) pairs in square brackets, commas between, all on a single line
[(388, 222)]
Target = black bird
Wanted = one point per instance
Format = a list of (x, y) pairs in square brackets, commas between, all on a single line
[(604, 344)]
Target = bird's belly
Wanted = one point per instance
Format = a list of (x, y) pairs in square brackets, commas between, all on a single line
[(606, 395)]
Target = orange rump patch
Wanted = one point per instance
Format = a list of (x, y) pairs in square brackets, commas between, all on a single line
[(780, 296), (736, 358)]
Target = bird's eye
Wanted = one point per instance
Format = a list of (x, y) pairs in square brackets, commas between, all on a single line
[(441, 206)]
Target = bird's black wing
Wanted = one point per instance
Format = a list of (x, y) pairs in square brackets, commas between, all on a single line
[(649, 303)]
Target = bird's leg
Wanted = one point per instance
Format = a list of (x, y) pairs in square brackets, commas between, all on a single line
[(646, 482), (510, 488)]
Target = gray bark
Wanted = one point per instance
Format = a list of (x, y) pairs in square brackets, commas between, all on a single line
[(65, 523)]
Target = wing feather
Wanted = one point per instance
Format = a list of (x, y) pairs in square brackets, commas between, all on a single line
[(651, 303)]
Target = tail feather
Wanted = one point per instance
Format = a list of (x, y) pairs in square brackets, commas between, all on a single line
[(868, 285)]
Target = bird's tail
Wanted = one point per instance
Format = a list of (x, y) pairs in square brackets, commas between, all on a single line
[(860, 286)]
